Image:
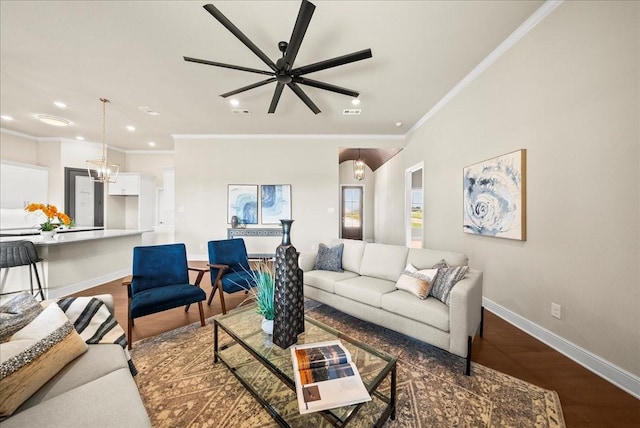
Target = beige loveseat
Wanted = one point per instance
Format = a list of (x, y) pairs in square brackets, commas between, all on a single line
[(367, 290), (94, 390)]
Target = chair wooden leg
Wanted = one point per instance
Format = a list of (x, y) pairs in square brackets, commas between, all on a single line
[(201, 313), (213, 291), (186, 308), (129, 334)]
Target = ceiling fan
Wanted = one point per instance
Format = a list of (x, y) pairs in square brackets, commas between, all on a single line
[(282, 71)]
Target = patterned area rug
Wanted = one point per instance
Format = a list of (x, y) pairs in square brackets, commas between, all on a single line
[(181, 387)]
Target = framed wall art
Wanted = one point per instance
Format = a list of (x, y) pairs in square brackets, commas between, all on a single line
[(242, 202), (495, 197), (275, 203)]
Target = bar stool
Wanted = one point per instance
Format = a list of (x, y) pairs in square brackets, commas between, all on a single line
[(21, 253)]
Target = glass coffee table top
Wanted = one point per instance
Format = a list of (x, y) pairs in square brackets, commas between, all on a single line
[(266, 371)]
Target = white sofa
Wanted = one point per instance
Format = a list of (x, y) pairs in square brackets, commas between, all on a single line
[(367, 290), (94, 390)]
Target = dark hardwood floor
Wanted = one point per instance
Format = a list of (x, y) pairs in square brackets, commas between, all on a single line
[(587, 400)]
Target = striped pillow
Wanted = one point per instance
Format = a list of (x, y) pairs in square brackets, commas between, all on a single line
[(35, 354)]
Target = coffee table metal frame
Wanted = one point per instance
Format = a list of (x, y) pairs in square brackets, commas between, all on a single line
[(225, 322)]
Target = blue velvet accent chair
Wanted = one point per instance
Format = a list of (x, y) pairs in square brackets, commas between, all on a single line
[(230, 270), (160, 281)]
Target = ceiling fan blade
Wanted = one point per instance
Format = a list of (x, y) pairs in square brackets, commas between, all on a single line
[(246, 88), (299, 30), (240, 35), (326, 86), (334, 62), (305, 99), (223, 65), (276, 97)]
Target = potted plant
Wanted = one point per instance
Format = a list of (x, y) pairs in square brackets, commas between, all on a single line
[(263, 294), (51, 213)]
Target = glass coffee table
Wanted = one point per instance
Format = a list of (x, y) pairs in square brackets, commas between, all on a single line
[(267, 372)]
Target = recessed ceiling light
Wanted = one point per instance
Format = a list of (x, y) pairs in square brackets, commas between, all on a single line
[(355, 101), (131, 128), (60, 104), (5, 117), (234, 102), (53, 120), (398, 124), (152, 144), (80, 137)]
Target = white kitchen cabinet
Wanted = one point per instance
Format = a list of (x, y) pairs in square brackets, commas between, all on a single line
[(127, 184)]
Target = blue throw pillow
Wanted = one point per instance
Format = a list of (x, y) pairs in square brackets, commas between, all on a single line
[(329, 258)]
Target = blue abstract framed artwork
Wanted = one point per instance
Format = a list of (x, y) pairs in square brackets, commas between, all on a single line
[(495, 197), (276, 203), (243, 203)]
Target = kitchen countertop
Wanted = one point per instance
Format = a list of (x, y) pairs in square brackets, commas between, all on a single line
[(77, 236)]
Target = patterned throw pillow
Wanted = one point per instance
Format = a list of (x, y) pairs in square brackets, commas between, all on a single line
[(329, 258), (35, 354), (16, 313), (417, 282), (446, 278)]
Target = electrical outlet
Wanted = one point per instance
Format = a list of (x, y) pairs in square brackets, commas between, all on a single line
[(556, 310)]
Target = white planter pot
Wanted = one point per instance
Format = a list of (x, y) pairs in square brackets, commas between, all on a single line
[(47, 233), (267, 326)]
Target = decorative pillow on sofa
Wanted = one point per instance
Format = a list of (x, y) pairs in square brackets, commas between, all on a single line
[(329, 258), (446, 278), (16, 313), (417, 282), (34, 355)]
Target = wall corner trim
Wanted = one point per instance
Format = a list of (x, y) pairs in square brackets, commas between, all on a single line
[(621, 378), (541, 13)]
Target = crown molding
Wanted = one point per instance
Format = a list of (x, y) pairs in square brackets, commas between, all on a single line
[(400, 137), (16, 133), (541, 13)]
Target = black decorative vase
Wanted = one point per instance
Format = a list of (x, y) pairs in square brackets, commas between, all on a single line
[(288, 322)]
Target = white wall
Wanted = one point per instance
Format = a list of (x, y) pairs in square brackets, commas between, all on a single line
[(567, 92), (205, 166)]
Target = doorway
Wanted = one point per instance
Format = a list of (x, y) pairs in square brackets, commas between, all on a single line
[(352, 212), (83, 198), (414, 209)]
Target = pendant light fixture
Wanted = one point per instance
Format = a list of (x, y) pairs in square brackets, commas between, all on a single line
[(358, 168), (102, 171)]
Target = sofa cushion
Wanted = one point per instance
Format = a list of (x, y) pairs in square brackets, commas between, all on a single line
[(325, 280), (364, 289), (446, 278), (423, 258), (98, 361), (416, 282), (429, 311), (352, 253), (329, 258), (112, 400), (384, 261), (16, 313), (34, 355)]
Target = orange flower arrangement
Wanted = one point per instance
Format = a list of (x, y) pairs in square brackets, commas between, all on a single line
[(51, 212)]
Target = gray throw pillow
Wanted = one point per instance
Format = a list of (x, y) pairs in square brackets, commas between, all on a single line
[(329, 258), (16, 313), (446, 278)]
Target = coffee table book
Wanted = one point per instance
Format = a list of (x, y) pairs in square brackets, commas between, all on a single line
[(326, 377)]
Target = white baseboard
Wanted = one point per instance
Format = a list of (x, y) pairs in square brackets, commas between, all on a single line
[(603, 368), (84, 285)]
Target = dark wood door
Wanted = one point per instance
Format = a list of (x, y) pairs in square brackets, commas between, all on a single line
[(352, 212)]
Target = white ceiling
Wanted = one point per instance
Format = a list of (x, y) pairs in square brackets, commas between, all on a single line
[(131, 53)]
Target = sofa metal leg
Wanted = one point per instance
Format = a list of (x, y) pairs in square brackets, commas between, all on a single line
[(482, 322), (468, 370)]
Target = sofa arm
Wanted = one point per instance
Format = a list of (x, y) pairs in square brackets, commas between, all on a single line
[(307, 261), (465, 311)]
